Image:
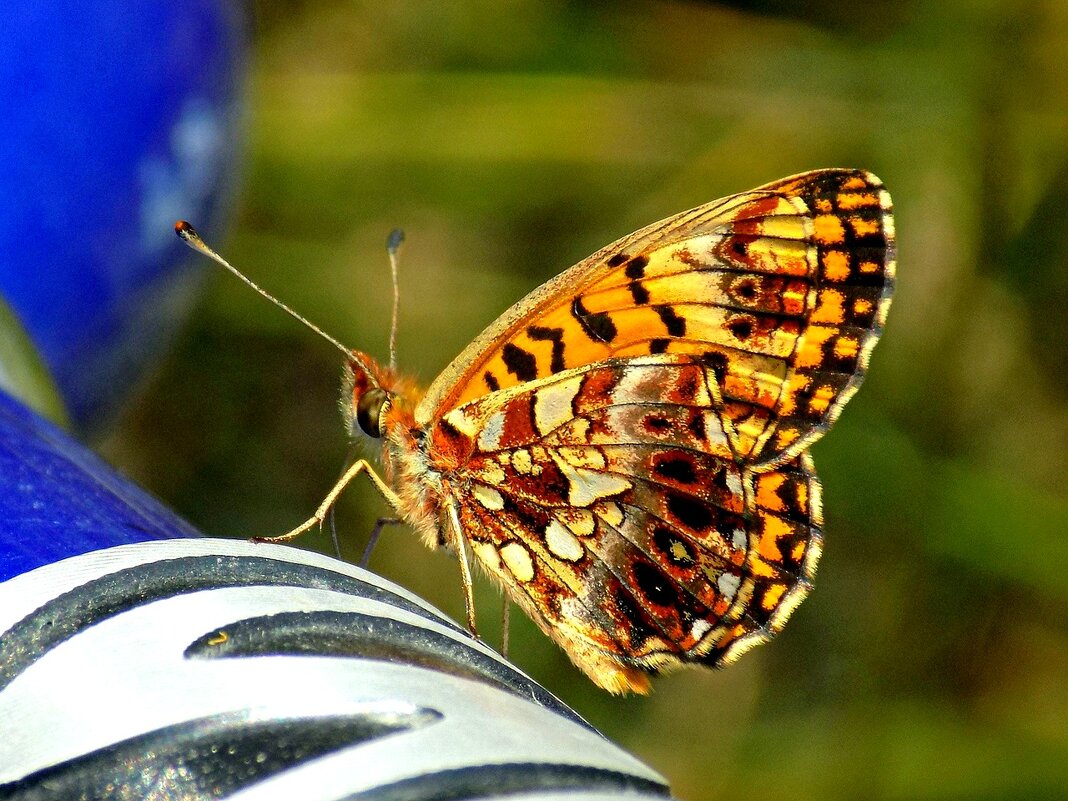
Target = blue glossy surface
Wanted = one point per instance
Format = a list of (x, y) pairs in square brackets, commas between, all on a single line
[(57, 499), (119, 118)]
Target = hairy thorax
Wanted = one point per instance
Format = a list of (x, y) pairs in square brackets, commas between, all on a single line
[(410, 474)]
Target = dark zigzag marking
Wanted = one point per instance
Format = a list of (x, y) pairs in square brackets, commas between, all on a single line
[(638, 292), (636, 267), (556, 336)]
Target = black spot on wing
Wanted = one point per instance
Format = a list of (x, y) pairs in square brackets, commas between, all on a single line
[(745, 289), (521, 363), (697, 425), (598, 326), (721, 480), (656, 424), (638, 292), (658, 345), (675, 325), (636, 267), (654, 585), (675, 467), (630, 615), (740, 244), (741, 328), (491, 381), (673, 547), (691, 512)]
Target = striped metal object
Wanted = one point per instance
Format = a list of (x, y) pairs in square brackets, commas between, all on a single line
[(206, 668)]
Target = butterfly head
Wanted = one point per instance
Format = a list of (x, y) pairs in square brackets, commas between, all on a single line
[(371, 397)]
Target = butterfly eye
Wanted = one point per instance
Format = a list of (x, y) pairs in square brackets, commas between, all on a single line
[(369, 411)]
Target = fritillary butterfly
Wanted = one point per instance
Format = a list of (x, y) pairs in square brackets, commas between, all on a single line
[(624, 450)]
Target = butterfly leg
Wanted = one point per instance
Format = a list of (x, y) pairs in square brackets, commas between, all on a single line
[(465, 570), (506, 614), (331, 497), (380, 524)]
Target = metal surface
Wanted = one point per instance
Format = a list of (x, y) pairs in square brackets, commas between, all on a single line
[(57, 499), (213, 668)]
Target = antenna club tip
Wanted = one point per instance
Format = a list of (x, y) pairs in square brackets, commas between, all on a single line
[(184, 229), (394, 240)]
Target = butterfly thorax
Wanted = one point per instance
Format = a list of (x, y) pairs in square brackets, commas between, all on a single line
[(377, 405)]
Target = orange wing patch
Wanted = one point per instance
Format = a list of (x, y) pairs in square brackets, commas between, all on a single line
[(780, 293)]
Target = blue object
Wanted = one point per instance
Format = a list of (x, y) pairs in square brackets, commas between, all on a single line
[(57, 499), (119, 119)]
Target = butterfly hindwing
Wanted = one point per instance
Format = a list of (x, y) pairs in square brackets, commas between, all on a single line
[(607, 500)]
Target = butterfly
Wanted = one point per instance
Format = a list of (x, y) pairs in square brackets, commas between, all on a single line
[(625, 449)]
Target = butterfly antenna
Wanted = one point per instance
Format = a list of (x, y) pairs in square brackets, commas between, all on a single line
[(188, 234), (393, 244)]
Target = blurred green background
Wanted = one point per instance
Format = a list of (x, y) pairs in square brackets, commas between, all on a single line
[(512, 138)]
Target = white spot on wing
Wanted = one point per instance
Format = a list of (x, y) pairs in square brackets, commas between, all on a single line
[(562, 543), (587, 486), (611, 513), (490, 435), (714, 433), (517, 559), (734, 482), (579, 521), (461, 422), (488, 554), (488, 496), (728, 584), (490, 472), (700, 628), (521, 462), (552, 404)]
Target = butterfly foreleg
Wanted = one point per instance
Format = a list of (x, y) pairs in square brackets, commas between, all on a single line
[(362, 466)]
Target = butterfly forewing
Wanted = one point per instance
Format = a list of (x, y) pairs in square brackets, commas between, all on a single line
[(782, 292)]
